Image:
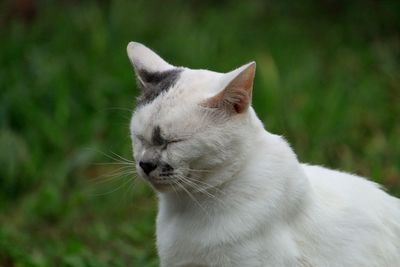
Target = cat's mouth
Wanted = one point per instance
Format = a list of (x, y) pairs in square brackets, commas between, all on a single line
[(167, 181), (174, 179), (163, 182)]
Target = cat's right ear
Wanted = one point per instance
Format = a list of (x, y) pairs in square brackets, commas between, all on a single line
[(235, 98), (146, 62)]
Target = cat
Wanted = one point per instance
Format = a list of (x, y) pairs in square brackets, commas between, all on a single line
[(232, 194)]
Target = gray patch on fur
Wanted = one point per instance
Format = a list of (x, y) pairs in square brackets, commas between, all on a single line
[(154, 83), (156, 138)]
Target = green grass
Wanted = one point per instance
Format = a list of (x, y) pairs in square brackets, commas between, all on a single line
[(327, 79)]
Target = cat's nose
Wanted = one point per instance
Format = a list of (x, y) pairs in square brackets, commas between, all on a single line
[(147, 166)]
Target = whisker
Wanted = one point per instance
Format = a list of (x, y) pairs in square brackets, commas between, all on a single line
[(196, 187), (197, 170), (118, 158), (120, 170), (123, 175), (114, 190), (109, 179), (208, 186), (192, 197), (129, 188), (105, 180), (113, 163), (173, 188), (121, 157), (112, 177)]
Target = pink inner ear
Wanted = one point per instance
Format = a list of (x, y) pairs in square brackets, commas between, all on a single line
[(238, 108), (238, 99), (242, 102), (247, 81), (238, 92), (235, 98)]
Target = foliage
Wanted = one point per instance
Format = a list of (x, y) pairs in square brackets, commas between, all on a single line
[(327, 79)]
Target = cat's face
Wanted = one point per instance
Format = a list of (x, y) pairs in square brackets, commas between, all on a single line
[(186, 122)]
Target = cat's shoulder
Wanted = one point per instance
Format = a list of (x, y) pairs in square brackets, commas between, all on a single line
[(349, 189)]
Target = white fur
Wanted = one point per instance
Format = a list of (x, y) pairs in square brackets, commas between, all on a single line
[(142, 56), (254, 204)]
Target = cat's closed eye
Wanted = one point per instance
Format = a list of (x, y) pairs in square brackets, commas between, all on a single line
[(174, 141), (170, 143), (166, 142)]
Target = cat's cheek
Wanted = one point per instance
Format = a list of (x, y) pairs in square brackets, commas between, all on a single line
[(136, 152), (174, 152)]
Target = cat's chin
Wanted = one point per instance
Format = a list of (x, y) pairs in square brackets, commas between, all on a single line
[(162, 187)]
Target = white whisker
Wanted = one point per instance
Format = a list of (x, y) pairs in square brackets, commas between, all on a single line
[(197, 170), (114, 190), (113, 176), (122, 158), (114, 163), (196, 187), (207, 185), (192, 197)]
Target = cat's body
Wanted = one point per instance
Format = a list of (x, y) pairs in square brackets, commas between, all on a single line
[(232, 194), (277, 212)]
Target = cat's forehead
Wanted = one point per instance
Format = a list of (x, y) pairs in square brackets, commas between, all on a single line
[(177, 108), (179, 89), (153, 121), (193, 86)]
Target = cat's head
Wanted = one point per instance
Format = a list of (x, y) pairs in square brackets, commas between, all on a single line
[(188, 124)]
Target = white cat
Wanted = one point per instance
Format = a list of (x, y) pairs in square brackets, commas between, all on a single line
[(232, 194)]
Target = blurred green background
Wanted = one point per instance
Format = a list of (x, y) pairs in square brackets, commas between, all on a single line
[(328, 79)]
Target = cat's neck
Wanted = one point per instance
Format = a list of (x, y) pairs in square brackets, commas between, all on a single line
[(267, 166)]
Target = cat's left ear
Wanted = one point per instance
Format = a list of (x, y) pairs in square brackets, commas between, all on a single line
[(236, 96), (143, 57), (147, 64)]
